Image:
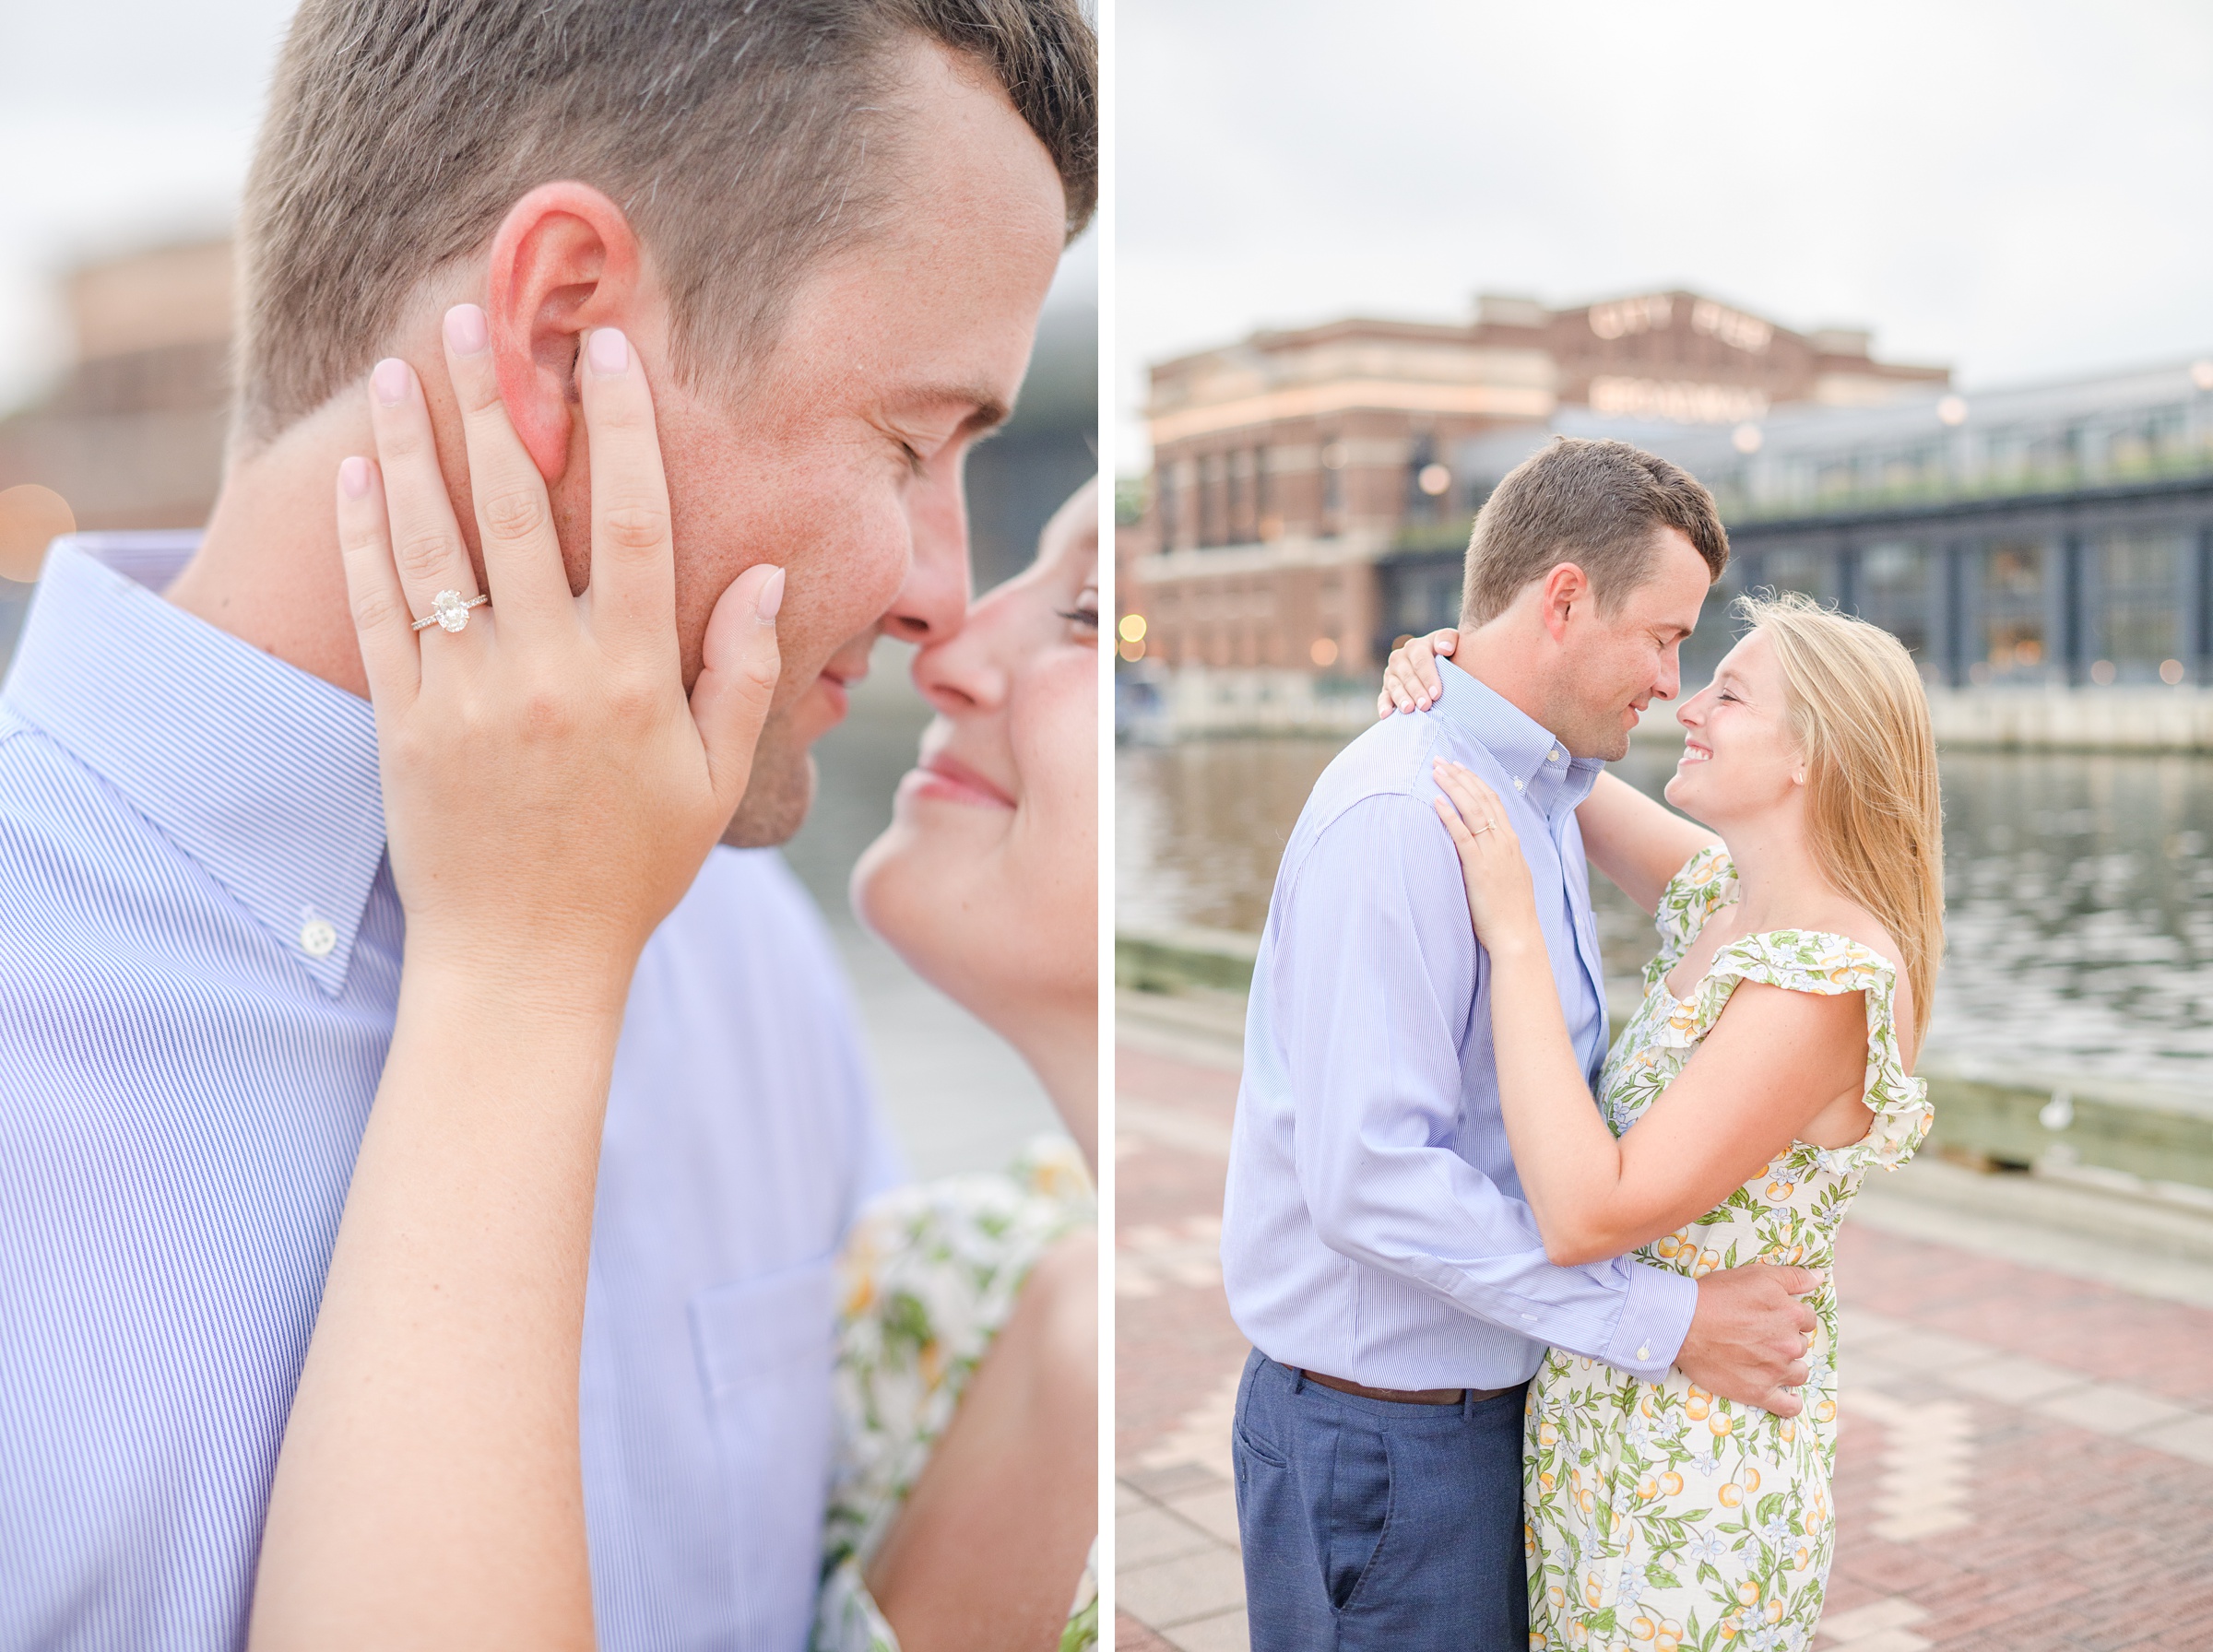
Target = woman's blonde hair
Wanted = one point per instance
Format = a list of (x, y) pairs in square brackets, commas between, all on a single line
[(1876, 819)]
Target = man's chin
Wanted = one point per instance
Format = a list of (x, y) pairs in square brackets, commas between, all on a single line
[(1609, 745), (777, 796)]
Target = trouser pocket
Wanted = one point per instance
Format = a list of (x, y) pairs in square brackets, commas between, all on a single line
[(1348, 1504)]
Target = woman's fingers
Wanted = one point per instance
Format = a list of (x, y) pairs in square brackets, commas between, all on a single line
[(633, 559), (738, 679), (427, 548), (1455, 790), (1462, 838), (390, 654), (1399, 689), (515, 518), (1477, 804), (1418, 672)]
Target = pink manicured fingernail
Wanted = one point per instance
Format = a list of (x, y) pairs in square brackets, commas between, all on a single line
[(771, 599), (466, 332), (390, 381), (610, 352), (353, 476)]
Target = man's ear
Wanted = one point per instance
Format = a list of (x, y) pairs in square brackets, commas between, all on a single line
[(1567, 588), (563, 261)]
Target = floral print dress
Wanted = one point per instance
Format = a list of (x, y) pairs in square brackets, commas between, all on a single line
[(927, 1278), (1660, 1517)]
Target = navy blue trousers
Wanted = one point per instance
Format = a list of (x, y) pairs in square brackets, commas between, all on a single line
[(1373, 1526)]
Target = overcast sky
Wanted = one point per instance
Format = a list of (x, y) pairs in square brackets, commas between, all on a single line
[(2013, 188), (127, 122)]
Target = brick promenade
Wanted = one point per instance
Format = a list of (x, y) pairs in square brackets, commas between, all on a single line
[(2027, 1457)]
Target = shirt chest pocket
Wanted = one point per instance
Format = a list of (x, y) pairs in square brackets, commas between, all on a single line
[(764, 1347)]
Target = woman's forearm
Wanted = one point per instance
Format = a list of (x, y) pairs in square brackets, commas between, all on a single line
[(429, 1492), (1568, 1163), (1635, 841)]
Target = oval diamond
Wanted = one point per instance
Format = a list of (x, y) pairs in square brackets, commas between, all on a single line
[(452, 613)]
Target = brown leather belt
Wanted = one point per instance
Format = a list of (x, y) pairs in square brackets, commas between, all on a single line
[(1404, 1396)]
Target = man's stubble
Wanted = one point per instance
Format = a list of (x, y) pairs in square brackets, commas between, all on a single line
[(1587, 730), (779, 793)]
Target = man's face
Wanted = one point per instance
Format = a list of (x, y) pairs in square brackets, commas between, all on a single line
[(1616, 662), (842, 460)]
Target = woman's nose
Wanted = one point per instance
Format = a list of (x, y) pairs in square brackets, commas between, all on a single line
[(962, 671)]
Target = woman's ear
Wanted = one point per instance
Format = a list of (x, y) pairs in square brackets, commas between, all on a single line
[(565, 260)]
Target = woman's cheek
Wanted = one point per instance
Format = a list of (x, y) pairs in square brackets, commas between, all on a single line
[(1053, 727), (913, 888)]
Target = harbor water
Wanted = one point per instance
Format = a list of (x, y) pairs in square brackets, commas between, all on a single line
[(2078, 890)]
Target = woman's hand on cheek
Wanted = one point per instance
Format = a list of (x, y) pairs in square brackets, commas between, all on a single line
[(1501, 899), (549, 794)]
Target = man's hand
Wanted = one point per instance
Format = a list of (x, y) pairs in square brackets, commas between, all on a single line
[(1748, 1340)]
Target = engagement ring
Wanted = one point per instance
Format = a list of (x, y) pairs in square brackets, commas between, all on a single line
[(1484, 828), (449, 613)]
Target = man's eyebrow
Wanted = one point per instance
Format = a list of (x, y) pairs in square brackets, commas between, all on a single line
[(987, 412)]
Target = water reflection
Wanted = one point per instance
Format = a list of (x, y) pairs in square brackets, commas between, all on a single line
[(2078, 886)]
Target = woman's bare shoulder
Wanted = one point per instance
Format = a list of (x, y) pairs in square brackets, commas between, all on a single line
[(1854, 922)]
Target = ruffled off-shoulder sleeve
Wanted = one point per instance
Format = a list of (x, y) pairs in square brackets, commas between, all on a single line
[(1705, 885), (1809, 961)]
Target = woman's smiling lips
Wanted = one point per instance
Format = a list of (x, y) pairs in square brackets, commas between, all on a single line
[(951, 780), (1694, 753)]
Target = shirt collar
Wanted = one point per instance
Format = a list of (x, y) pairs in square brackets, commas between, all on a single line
[(1548, 778), (264, 775)]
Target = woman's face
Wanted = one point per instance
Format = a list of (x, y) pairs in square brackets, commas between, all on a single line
[(986, 881), (1740, 756)]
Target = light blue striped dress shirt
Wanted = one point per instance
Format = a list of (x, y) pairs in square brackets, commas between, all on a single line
[(1373, 1227), (199, 965)]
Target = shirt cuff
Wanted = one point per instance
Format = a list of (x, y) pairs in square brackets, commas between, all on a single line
[(1655, 1317)]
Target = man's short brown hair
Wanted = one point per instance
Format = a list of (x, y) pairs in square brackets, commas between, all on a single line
[(1598, 504), (736, 135)]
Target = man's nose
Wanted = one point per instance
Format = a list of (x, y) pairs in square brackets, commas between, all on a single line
[(934, 599)]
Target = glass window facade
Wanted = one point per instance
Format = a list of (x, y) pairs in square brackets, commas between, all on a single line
[(2010, 600), (1794, 568), (2135, 587), (1894, 591)]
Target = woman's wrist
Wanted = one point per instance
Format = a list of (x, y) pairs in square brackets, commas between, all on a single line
[(1516, 937), (562, 985)]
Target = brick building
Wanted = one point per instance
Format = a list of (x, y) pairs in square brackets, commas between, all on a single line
[(1286, 468), (132, 435)]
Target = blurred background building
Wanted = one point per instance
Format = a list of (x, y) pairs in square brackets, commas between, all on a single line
[(132, 433), (1312, 493), (2046, 535), (1294, 471)]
